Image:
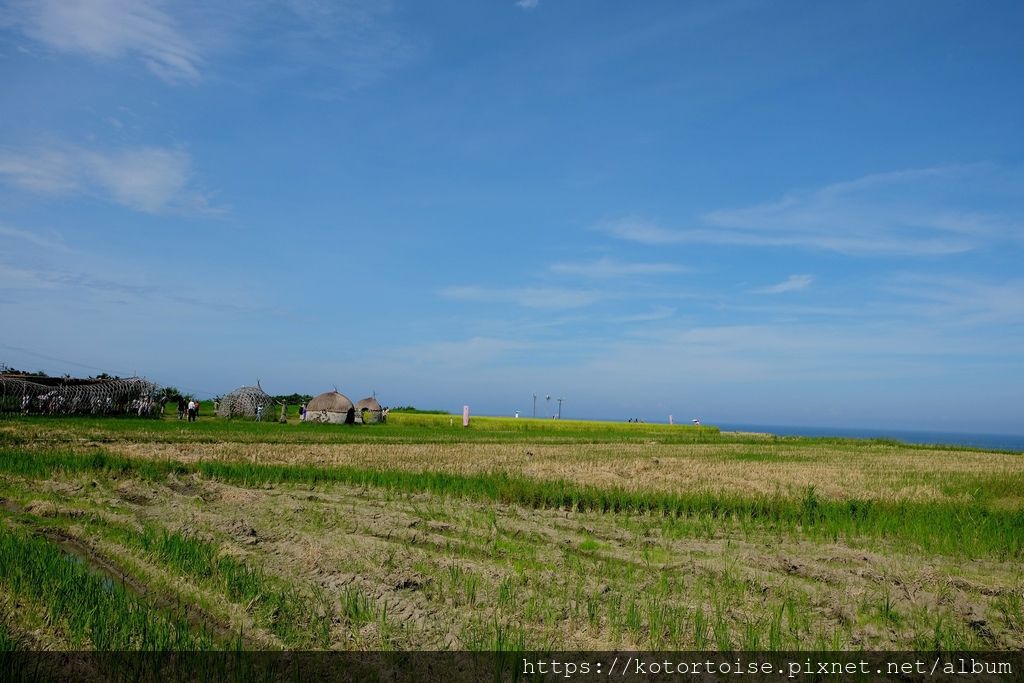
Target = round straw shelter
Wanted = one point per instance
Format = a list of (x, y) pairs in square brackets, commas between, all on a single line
[(331, 406), (369, 411), (244, 401)]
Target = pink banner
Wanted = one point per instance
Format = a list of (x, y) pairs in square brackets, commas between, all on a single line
[(465, 416)]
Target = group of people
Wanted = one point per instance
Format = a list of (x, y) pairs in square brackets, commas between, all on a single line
[(191, 408)]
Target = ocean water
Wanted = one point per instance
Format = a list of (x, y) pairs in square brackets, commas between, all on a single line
[(1007, 442)]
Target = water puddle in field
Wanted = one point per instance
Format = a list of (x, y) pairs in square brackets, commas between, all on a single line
[(106, 581), (113, 576)]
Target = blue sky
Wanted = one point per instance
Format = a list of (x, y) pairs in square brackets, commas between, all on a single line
[(797, 213)]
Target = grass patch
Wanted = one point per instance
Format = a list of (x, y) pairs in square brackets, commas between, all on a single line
[(98, 612), (969, 529)]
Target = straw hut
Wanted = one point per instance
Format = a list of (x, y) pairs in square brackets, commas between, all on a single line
[(369, 411), (332, 407), (244, 401)]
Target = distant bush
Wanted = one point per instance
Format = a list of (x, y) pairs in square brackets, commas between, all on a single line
[(292, 399), (413, 409)]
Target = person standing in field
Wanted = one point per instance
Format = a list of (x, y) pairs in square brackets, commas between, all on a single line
[(302, 413), (192, 411), (181, 407)]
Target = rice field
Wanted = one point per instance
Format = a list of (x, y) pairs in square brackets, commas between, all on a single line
[(509, 535)]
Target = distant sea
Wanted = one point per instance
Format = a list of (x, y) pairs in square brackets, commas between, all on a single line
[(1007, 442)]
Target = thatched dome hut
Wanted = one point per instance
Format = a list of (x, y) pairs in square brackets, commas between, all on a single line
[(243, 402), (332, 407), (369, 410)]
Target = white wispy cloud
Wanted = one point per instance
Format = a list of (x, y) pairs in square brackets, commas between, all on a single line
[(329, 49), (109, 30), (655, 314), (529, 297), (527, 4), (52, 242), (929, 211), (648, 233), (473, 351), (636, 229), (609, 268), (959, 300), (149, 179), (790, 284), (316, 48), (97, 286)]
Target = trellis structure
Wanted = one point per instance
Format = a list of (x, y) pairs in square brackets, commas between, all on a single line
[(53, 396), (244, 402)]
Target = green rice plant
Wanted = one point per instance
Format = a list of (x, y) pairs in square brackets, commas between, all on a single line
[(471, 583), (959, 529), (810, 507), (532, 609), (723, 636), (824, 642), (887, 612), (386, 629), (634, 621), (95, 610), (1010, 607), (775, 629), (356, 608), (494, 636), (9, 642), (751, 639), (677, 625), (291, 615), (507, 592), (594, 610), (657, 622), (700, 629)]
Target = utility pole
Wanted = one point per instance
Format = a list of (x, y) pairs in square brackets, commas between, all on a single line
[(535, 405), (560, 408)]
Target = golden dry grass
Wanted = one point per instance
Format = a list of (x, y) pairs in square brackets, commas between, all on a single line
[(868, 471)]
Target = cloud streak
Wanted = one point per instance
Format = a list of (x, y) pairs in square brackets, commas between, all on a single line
[(54, 243), (609, 268), (94, 287), (110, 30), (923, 212), (791, 284), (528, 297), (147, 179), (960, 300)]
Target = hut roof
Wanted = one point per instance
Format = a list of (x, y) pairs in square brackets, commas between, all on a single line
[(368, 404), (331, 401)]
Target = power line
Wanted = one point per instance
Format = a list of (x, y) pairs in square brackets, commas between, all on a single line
[(107, 371), (60, 360)]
